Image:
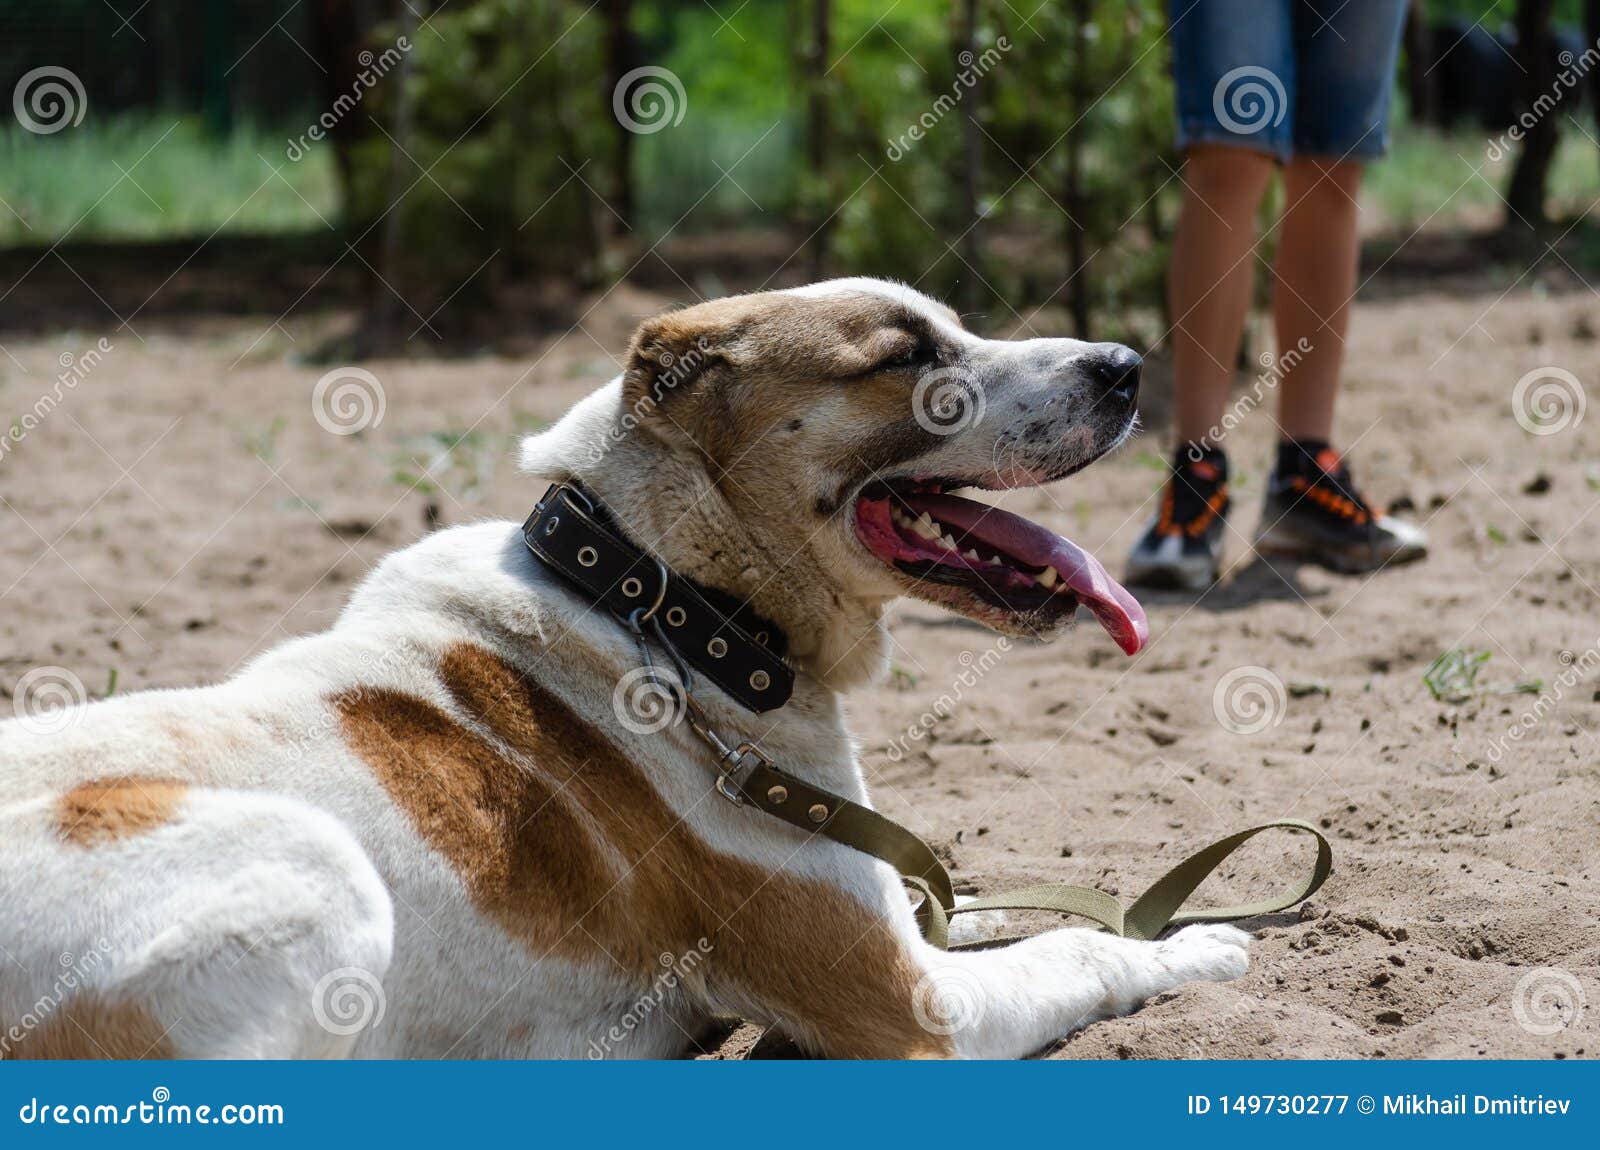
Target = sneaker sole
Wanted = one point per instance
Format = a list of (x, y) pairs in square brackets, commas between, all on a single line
[(1276, 543), (1171, 578)]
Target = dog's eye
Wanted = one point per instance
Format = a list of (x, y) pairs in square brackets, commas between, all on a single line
[(922, 354)]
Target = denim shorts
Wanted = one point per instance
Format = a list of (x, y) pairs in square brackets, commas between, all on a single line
[(1286, 77)]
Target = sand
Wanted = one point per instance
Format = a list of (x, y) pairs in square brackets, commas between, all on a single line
[(181, 509)]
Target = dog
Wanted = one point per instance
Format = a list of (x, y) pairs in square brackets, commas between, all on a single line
[(425, 833)]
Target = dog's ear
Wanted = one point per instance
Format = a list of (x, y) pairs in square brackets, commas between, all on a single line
[(672, 353)]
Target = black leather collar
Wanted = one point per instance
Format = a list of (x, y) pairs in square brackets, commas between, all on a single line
[(571, 532)]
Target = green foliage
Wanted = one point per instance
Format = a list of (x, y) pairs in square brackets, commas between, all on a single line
[(1428, 176), (1084, 108), (743, 116), (511, 155), (153, 177), (1074, 135), (506, 106)]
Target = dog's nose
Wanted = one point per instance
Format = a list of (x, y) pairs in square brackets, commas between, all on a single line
[(1115, 369)]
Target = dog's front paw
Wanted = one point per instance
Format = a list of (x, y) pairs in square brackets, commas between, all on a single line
[(1214, 952)]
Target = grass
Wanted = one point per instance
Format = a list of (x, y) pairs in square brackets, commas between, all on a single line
[(1428, 175), (180, 181), (1453, 678)]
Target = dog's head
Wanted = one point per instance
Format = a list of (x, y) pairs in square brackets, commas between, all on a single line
[(802, 449)]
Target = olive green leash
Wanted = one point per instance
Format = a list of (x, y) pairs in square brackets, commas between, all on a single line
[(748, 777)]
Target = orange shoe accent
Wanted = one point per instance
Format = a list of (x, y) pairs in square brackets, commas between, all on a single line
[(1166, 525), (1213, 509), (1330, 500)]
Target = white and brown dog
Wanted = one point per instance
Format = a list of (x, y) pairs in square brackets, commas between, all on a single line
[(436, 800)]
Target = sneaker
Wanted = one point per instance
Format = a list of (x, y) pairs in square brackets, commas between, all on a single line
[(1182, 547), (1315, 514)]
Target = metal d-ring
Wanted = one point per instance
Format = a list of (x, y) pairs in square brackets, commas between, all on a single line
[(661, 594), (568, 492)]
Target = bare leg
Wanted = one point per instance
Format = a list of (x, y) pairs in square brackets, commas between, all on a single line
[(1213, 273), (1315, 277)]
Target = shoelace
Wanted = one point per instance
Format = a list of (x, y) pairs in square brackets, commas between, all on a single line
[(1199, 507), (1333, 490)]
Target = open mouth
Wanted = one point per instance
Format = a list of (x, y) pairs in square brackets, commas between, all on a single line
[(995, 560)]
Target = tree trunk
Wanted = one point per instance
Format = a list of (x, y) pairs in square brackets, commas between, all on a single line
[(1536, 55), (972, 293), (622, 57), (820, 228), (1422, 88), (386, 308), (1591, 23), (1073, 199), (336, 36)]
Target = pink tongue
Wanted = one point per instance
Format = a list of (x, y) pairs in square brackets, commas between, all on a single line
[(1119, 612)]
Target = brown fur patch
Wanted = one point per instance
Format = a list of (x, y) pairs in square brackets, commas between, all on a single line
[(105, 810), (565, 844), (89, 1028), (785, 358)]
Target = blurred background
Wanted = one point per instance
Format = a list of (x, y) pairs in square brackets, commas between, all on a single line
[(455, 175), (282, 283)]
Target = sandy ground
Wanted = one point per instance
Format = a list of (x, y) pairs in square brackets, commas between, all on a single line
[(181, 510)]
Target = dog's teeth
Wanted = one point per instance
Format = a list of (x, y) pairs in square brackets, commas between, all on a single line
[(925, 527), (949, 541), (1046, 578), (973, 555)]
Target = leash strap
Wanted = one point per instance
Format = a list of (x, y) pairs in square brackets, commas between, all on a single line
[(1159, 907), (732, 646), (814, 810)]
